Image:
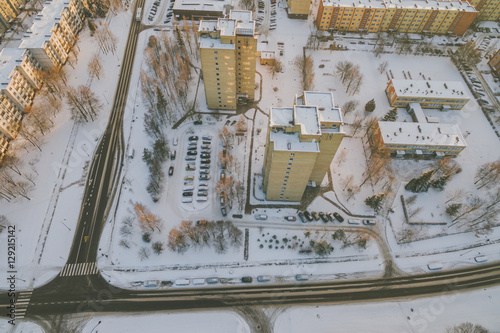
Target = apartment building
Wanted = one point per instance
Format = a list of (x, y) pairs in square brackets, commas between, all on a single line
[(298, 8), (228, 51), (489, 9), (18, 83), (430, 94), (9, 10), (404, 16), (4, 144), (494, 63), (421, 139), (204, 9), (301, 143), (54, 32)]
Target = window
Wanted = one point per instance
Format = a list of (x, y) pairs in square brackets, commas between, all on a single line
[(215, 52), (216, 64)]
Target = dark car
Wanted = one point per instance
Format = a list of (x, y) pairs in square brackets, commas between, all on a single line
[(308, 216), (192, 148), (338, 217), (198, 122), (204, 177), (329, 216), (172, 155), (193, 138), (323, 217), (302, 218), (171, 171), (223, 211), (187, 194), (246, 279), (205, 155), (205, 161), (315, 216), (192, 152)]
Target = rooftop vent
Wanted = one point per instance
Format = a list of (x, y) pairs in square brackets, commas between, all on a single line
[(289, 146)]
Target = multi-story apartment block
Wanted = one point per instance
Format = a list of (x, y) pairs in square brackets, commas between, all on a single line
[(18, 83), (298, 8), (9, 9), (54, 32), (430, 94), (4, 144), (420, 139), (489, 9), (495, 63), (408, 16), (228, 50), (301, 144)]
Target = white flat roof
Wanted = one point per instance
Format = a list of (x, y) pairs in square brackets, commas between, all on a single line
[(281, 117), (291, 142), (214, 43), (432, 89), (422, 134), (9, 59), (202, 5), (227, 27), (324, 101), (40, 31), (307, 116), (410, 4)]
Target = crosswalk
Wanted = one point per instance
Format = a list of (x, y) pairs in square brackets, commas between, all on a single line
[(22, 303), (81, 268)]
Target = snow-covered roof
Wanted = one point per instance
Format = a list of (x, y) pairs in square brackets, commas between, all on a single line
[(422, 134), (307, 117), (214, 43), (268, 55), (418, 112), (281, 117), (208, 25), (227, 27), (291, 141), (202, 5), (244, 23), (9, 59), (324, 101), (431, 89), (453, 5)]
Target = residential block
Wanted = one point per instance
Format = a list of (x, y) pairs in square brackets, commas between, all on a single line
[(301, 143)]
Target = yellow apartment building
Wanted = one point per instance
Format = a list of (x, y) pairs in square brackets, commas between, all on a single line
[(298, 8), (228, 51), (489, 9), (408, 16), (430, 94), (494, 63), (301, 143)]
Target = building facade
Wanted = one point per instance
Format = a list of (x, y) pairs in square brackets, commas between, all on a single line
[(409, 16), (489, 9), (298, 8), (494, 63), (228, 50), (9, 10), (204, 9), (430, 94), (301, 144), (54, 32), (420, 139)]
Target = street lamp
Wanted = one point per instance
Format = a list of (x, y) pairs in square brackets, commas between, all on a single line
[(95, 326)]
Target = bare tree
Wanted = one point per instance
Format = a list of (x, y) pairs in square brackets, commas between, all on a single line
[(147, 220), (4, 222), (276, 67), (84, 104), (177, 241), (106, 40), (342, 69), (94, 66), (305, 66), (350, 106), (382, 67), (488, 175)]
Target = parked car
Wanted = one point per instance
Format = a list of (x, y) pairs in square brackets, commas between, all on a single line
[(204, 177), (173, 154), (308, 216), (204, 167), (189, 178), (187, 194), (193, 147), (223, 211), (302, 217), (315, 216), (329, 216), (192, 152), (171, 171), (190, 167), (193, 138), (291, 218), (261, 217), (323, 217), (204, 154), (368, 222), (190, 158), (246, 279), (197, 122), (204, 161), (206, 146), (207, 138), (338, 217)]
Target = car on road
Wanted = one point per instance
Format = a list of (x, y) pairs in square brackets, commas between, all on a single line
[(223, 211), (171, 171), (246, 279), (323, 217), (302, 217), (338, 217), (315, 216), (193, 138), (290, 218), (173, 154)]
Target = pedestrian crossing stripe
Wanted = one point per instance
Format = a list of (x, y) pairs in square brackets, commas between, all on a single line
[(82, 268), (22, 303)]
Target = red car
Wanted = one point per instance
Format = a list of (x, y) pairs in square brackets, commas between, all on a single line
[(290, 218)]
